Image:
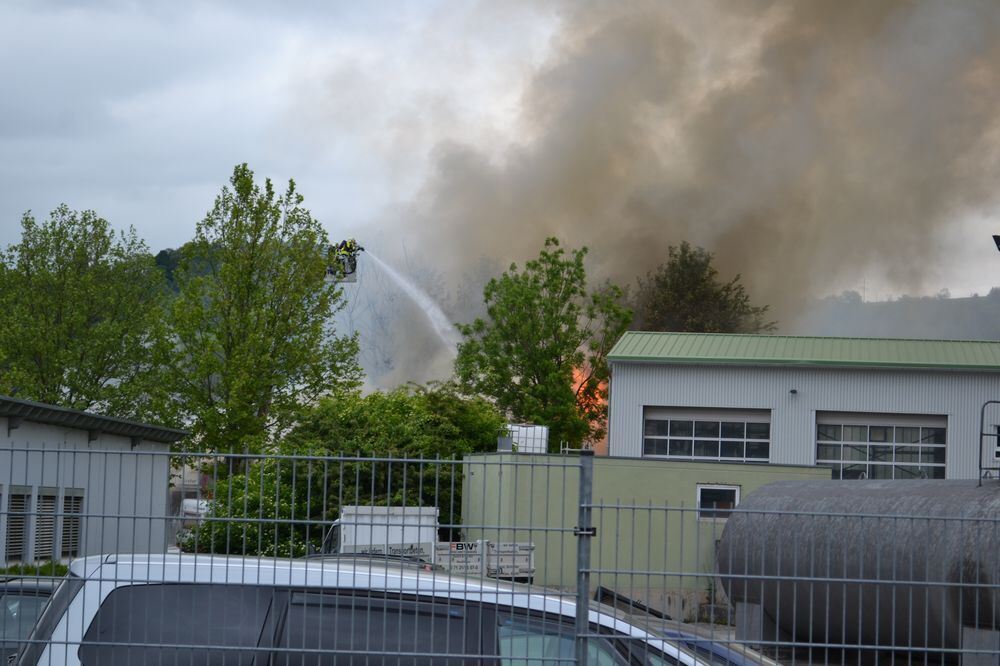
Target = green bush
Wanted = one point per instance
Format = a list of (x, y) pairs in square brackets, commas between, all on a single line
[(282, 505)]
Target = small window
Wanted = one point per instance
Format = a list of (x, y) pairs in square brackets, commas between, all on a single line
[(932, 435), (827, 433), (680, 447), (706, 448), (733, 429), (709, 429), (717, 502), (880, 434), (732, 449), (758, 451), (654, 447), (657, 428), (855, 433), (681, 428)]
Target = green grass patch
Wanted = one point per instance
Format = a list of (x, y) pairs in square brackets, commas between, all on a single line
[(48, 569)]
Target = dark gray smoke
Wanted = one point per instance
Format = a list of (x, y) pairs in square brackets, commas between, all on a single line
[(802, 141)]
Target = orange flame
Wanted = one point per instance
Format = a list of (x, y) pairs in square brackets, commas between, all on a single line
[(589, 399)]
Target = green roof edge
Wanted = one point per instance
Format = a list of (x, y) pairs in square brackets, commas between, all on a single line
[(800, 362)]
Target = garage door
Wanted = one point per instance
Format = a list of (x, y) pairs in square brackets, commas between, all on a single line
[(707, 434), (881, 446)]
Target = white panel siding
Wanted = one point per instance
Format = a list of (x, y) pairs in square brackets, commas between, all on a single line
[(958, 396)]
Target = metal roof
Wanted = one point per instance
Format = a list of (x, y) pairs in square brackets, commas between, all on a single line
[(40, 412), (733, 349)]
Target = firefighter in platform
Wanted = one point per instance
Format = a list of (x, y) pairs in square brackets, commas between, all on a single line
[(345, 253)]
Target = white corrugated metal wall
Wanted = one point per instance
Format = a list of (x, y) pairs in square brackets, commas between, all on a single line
[(956, 395)]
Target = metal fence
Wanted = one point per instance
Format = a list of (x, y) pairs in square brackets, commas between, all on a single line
[(320, 559)]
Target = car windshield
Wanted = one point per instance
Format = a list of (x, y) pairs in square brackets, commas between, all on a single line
[(18, 614)]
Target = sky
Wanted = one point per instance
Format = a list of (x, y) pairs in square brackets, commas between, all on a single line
[(140, 110)]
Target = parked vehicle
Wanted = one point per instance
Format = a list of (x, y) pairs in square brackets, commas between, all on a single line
[(193, 510), (21, 603), (412, 532), (371, 529), (187, 608)]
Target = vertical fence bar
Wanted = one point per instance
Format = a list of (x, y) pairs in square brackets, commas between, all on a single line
[(584, 531)]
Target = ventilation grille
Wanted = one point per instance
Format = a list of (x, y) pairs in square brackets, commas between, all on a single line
[(72, 508), (45, 527), (17, 521)]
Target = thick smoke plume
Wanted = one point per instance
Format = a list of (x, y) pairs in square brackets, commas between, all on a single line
[(802, 141)]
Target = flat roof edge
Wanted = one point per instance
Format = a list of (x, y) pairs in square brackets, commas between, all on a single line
[(39, 412)]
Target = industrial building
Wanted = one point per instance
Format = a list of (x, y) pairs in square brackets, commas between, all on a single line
[(863, 407), (75, 483)]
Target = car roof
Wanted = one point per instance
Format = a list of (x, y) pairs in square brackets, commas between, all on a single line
[(359, 571)]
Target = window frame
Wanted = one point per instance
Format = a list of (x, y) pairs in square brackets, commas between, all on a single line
[(713, 514), (850, 453), (665, 435)]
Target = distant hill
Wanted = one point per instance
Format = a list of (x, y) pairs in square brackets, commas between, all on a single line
[(936, 317), (167, 260)]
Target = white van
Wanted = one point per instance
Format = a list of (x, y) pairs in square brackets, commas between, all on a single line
[(208, 609)]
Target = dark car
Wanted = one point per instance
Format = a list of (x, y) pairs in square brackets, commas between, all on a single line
[(22, 600)]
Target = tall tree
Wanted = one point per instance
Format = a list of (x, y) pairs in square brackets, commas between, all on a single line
[(685, 294), (82, 322), (253, 318), (541, 351)]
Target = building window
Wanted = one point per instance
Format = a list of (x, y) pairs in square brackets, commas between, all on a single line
[(884, 450), (45, 524), (734, 440), (717, 502), (72, 510), (17, 524)]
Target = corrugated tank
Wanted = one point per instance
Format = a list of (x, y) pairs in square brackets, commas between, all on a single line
[(904, 563)]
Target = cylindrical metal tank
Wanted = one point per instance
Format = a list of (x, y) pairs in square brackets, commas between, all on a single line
[(903, 563)]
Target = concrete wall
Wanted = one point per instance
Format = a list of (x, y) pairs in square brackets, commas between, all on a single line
[(650, 543), (958, 396), (125, 490)]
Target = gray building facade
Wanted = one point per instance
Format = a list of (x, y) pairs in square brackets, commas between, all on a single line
[(74, 483), (866, 408)]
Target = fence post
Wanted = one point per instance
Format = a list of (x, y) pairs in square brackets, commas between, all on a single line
[(584, 531)]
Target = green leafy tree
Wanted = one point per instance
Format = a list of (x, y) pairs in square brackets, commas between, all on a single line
[(541, 351), (83, 318), (283, 505), (253, 317), (685, 294)]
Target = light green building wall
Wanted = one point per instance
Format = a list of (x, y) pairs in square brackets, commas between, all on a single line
[(651, 543)]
